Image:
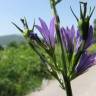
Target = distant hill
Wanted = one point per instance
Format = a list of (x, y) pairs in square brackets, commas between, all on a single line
[(5, 40)]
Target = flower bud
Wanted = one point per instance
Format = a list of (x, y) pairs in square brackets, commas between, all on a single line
[(83, 26), (84, 21)]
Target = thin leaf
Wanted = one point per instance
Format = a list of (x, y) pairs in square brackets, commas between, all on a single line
[(26, 24), (92, 12), (17, 27), (74, 13)]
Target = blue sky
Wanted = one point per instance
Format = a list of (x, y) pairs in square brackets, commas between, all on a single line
[(13, 10)]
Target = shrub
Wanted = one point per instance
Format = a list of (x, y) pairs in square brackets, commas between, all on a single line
[(20, 71)]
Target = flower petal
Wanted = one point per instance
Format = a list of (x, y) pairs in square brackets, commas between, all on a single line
[(42, 33), (64, 37), (52, 32), (90, 39), (44, 27), (86, 61)]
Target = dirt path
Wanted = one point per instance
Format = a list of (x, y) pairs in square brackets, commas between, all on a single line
[(84, 85)]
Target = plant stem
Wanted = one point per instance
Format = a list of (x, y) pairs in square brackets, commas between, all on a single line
[(57, 26), (64, 71), (67, 85)]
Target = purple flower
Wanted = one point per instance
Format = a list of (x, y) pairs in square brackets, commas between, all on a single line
[(86, 61), (90, 39), (48, 34), (71, 39)]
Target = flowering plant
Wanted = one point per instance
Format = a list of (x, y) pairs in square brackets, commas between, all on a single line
[(75, 58)]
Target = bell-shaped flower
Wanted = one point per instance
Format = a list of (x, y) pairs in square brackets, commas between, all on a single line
[(47, 33), (86, 61), (71, 39)]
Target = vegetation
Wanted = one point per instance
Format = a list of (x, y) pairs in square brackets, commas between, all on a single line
[(21, 70), (95, 28)]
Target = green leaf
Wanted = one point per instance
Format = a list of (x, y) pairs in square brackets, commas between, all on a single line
[(17, 27)]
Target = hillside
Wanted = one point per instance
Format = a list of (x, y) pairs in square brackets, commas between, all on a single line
[(4, 40)]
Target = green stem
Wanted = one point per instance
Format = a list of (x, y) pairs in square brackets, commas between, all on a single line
[(57, 26), (64, 58), (67, 85)]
